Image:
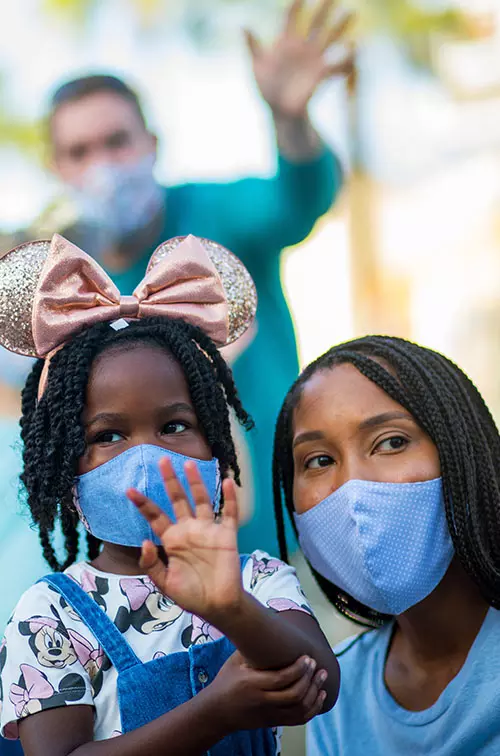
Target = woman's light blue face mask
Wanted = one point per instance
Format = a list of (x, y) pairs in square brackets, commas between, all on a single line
[(385, 544), (102, 503)]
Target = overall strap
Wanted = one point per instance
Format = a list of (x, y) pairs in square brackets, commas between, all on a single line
[(107, 634)]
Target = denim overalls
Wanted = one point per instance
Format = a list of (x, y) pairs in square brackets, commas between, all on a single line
[(148, 690)]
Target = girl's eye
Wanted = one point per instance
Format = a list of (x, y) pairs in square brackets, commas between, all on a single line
[(174, 427), (321, 460), (107, 437), (394, 443)]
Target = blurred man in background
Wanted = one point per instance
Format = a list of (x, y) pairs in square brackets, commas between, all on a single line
[(104, 154)]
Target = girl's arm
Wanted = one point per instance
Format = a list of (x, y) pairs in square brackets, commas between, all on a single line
[(239, 698), (272, 640), (204, 577)]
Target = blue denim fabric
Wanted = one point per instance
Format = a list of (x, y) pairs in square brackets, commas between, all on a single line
[(143, 694), (102, 502), (10, 748)]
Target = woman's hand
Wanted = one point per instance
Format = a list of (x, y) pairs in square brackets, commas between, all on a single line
[(250, 698), (203, 574)]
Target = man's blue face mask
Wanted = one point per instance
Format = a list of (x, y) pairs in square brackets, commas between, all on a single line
[(102, 503), (385, 544)]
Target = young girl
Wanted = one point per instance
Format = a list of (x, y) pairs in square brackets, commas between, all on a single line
[(137, 650), (389, 464)]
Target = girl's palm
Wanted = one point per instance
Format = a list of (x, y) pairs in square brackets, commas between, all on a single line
[(203, 571)]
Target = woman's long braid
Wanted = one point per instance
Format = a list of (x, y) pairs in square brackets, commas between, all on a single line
[(450, 409), (54, 437)]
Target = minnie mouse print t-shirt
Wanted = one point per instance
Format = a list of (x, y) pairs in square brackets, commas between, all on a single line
[(49, 658)]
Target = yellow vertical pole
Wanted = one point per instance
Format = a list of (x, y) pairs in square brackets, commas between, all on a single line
[(381, 300)]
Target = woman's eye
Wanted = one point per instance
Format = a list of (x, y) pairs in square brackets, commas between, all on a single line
[(395, 443), (174, 427), (322, 460)]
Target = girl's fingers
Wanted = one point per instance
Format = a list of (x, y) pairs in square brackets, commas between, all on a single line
[(151, 563), (230, 511), (159, 521), (180, 503), (294, 694), (204, 507), (281, 679), (317, 707), (315, 688)]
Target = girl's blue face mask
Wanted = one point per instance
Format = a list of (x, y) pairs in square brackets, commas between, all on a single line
[(103, 506), (385, 544)]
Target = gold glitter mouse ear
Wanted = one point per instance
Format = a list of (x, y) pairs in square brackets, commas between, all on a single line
[(20, 271), (238, 284)]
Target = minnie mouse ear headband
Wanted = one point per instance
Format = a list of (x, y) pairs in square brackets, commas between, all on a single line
[(50, 291)]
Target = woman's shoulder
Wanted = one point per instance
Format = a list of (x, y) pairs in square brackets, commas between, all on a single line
[(357, 654)]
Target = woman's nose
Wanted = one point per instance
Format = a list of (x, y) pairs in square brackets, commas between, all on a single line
[(351, 468)]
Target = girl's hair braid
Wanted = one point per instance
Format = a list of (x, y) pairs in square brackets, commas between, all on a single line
[(447, 405), (52, 431)]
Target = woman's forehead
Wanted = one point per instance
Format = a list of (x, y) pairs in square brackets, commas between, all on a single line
[(341, 391)]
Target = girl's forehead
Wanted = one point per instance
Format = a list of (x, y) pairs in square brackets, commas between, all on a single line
[(138, 373)]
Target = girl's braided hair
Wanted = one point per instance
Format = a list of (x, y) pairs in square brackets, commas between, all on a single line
[(52, 431), (447, 405)]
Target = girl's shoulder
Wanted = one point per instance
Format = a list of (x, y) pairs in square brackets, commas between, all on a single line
[(42, 611), (273, 582), (47, 658)]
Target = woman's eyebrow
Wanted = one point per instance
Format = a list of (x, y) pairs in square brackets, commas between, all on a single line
[(302, 438), (385, 417)]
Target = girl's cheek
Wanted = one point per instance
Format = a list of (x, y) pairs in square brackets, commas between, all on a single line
[(92, 458)]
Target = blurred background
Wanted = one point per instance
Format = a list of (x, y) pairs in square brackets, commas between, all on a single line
[(412, 247)]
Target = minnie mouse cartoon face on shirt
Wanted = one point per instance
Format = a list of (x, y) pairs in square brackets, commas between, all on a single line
[(94, 586), (55, 646), (150, 611), (263, 568), (49, 640), (199, 632), (34, 692)]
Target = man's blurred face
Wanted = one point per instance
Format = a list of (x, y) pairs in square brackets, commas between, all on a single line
[(102, 127)]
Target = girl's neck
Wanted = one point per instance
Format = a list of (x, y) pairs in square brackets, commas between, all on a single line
[(118, 560)]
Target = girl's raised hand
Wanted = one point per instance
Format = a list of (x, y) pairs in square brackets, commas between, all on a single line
[(203, 572)]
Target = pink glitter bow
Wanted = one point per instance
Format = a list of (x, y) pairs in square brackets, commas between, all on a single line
[(74, 292)]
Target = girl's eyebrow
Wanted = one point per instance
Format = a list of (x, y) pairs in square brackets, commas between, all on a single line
[(113, 417)]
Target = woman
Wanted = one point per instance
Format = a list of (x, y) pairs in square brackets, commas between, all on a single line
[(388, 462)]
